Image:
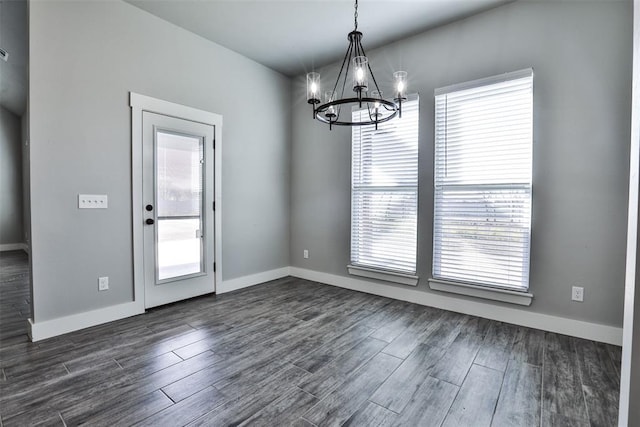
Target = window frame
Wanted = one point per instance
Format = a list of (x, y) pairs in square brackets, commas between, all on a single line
[(482, 290), (376, 272)]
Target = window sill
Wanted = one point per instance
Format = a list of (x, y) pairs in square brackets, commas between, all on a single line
[(389, 276), (504, 295)]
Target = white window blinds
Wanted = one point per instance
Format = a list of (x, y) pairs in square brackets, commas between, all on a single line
[(482, 178), (384, 192)]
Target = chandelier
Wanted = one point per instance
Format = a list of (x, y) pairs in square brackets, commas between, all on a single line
[(378, 109)]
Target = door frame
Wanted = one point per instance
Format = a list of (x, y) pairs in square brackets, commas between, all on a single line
[(139, 104)]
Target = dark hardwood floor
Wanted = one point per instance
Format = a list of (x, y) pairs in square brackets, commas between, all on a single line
[(294, 352)]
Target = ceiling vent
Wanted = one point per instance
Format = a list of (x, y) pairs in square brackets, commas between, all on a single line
[(4, 55)]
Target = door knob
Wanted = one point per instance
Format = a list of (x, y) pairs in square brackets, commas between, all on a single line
[(150, 221), (149, 208)]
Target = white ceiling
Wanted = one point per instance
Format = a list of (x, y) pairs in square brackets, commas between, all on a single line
[(294, 36), (289, 36), (13, 39)]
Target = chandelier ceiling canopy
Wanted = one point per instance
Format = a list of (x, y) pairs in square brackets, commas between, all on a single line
[(378, 109)]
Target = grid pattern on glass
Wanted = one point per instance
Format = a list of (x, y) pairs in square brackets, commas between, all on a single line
[(179, 192), (482, 179), (384, 192)]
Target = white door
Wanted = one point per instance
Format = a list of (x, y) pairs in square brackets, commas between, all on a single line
[(177, 168)]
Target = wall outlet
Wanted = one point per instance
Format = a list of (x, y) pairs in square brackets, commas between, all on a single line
[(92, 201), (103, 283), (305, 253), (577, 293)]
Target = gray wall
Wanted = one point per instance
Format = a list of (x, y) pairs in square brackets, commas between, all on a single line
[(85, 58), (11, 229), (581, 54)]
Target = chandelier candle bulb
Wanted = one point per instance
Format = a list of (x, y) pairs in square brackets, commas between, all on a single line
[(377, 95), (313, 88), (400, 78), (375, 116), (329, 96), (360, 81)]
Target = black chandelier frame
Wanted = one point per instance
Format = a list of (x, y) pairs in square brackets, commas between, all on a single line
[(329, 112)]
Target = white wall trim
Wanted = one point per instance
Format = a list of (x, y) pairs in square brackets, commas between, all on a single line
[(577, 328), (630, 366), (496, 294), (51, 328), (140, 103), (14, 247), (389, 276), (62, 325), (253, 279), (545, 322)]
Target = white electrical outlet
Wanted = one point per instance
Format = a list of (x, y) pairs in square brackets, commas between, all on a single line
[(92, 201), (305, 253), (103, 283), (577, 293)]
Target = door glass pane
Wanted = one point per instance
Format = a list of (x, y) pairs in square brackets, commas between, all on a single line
[(179, 177)]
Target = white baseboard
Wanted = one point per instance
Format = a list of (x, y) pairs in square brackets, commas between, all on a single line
[(51, 328), (62, 325), (14, 247), (577, 328), (251, 280), (545, 322)]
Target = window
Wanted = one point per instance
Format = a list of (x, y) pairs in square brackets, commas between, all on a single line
[(482, 179), (384, 196)]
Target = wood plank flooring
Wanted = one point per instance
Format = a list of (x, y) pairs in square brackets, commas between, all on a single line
[(300, 353)]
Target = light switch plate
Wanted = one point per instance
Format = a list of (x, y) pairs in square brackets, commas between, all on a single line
[(92, 201)]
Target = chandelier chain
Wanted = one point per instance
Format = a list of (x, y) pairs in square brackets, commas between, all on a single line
[(355, 16)]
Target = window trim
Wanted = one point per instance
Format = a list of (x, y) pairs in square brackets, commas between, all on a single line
[(480, 291), (513, 75), (514, 296), (371, 272), (380, 274)]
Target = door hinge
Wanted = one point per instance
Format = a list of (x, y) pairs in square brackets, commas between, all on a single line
[(214, 267), (214, 144), (214, 206)]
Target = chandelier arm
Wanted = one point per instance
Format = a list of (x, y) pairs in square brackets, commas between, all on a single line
[(373, 78), (346, 75), (359, 52), (346, 71), (346, 58), (370, 70), (335, 86)]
